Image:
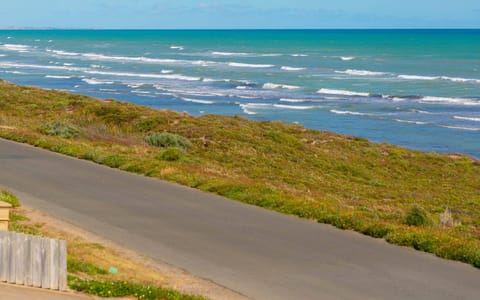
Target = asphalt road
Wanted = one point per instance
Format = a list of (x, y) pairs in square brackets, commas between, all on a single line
[(262, 254)]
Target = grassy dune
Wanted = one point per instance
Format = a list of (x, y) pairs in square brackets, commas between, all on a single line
[(378, 189)]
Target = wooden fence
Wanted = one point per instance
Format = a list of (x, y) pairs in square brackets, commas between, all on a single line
[(33, 261)]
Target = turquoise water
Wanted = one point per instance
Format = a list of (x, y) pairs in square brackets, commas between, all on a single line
[(415, 88)]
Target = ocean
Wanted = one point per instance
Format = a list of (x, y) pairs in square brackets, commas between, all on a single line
[(415, 88)]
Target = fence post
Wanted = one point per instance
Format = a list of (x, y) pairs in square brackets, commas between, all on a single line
[(4, 215), (12, 257), (4, 247)]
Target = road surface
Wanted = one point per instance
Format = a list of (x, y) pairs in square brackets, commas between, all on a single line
[(259, 253)]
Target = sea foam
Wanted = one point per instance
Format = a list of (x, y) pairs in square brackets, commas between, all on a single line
[(94, 81), (467, 118), (286, 68), (342, 92), (346, 112), (243, 65), (15, 47), (58, 77), (361, 72), (270, 86)]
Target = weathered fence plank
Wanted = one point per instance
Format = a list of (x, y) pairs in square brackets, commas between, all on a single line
[(28, 278), (12, 257), (33, 261), (62, 265), (4, 247), (20, 258), (45, 264), (53, 264), (36, 261)]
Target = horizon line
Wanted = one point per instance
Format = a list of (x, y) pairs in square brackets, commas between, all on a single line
[(232, 29)]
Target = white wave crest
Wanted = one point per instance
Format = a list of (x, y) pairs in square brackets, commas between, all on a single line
[(361, 72), (94, 56), (447, 78), (270, 86), (15, 47), (292, 100), (94, 81), (298, 55), (461, 101), (271, 54), (220, 53), (346, 112), (461, 128), (243, 65), (180, 48), (197, 100), (411, 122), (459, 79), (142, 75), (32, 66), (342, 92), (300, 107), (58, 76), (418, 77), (467, 118), (63, 53), (286, 68), (347, 58)]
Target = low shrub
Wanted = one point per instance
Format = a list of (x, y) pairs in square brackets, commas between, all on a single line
[(9, 198), (167, 139), (417, 217), (61, 129)]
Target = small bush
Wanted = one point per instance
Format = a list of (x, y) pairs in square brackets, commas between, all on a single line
[(9, 198), (61, 129), (171, 154), (417, 217), (167, 140)]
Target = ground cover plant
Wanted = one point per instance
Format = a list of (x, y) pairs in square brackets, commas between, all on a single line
[(380, 190)]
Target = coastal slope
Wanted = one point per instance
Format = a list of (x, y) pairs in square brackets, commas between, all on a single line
[(428, 201)]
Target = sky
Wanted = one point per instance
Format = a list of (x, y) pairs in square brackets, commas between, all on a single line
[(226, 14)]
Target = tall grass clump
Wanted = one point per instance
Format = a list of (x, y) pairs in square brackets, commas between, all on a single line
[(168, 140)]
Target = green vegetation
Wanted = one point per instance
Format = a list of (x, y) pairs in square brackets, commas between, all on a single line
[(59, 128), (417, 217), (345, 181), (167, 140), (77, 266), (123, 289), (9, 198)]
